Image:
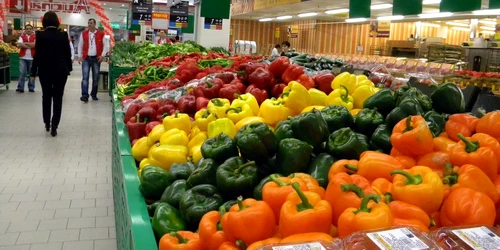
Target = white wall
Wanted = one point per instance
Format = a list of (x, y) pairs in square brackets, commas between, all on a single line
[(73, 18)]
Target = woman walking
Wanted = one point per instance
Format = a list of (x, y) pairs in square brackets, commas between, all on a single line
[(52, 64)]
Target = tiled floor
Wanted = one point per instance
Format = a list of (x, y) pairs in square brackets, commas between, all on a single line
[(55, 193)]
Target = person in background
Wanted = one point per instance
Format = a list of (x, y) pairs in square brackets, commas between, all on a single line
[(276, 51), (163, 38), (285, 46), (52, 63), (177, 39), (72, 48), (27, 44), (92, 52)]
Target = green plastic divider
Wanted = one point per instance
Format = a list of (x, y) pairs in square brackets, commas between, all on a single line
[(14, 65), (114, 73)]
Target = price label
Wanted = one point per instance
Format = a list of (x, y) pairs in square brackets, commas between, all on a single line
[(142, 16), (213, 23)]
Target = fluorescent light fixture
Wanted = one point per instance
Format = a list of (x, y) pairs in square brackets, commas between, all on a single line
[(307, 14), (283, 17), (487, 28), (458, 24), (356, 20), (381, 6), (431, 1), (486, 12), (337, 11), (399, 17), (104, 4), (488, 32), (435, 25), (460, 28), (436, 15), (110, 8), (265, 19), (123, 5), (488, 22)]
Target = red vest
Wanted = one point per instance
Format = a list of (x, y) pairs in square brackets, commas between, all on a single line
[(99, 37), (31, 39), (166, 41)]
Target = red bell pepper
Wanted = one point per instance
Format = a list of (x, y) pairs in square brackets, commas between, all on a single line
[(324, 81), (251, 67), (201, 75), (165, 110), (292, 73), (226, 77), (306, 81), (151, 125), (168, 101), (147, 113), (229, 91), (278, 66), (201, 102), (132, 111), (241, 87), (153, 104), (261, 78), (260, 94), (278, 90), (187, 71), (187, 104), (137, 129), (209, 89)]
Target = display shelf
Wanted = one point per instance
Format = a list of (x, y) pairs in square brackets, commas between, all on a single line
[(14, 66), (445, 53), (114, 73)]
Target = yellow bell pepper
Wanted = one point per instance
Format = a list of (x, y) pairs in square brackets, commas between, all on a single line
[(248, 120), (140, 149), (218, 106), (354, 112), (194, 132), (150, 152), (345, 79), (310, 108), (144, 163), (155, 134), (178, 120), (222, 125), (296, 97), (202, 118), (273, 111), (248, 99), (166, 155), (199, 139), (317, 97), (365, 82), (195, 154), (178, 138), (361, 94), (238, 111), (340, 97)]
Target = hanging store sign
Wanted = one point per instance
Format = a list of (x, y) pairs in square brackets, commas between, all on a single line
[(19, 6), (293, 31), (179, 15), (160, 21), (66, 7), (277, 32), (142, 10), (381, 29), (213, 23), (459, 5)]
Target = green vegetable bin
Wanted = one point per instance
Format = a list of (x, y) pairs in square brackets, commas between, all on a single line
[(114, 73), (14, 66)]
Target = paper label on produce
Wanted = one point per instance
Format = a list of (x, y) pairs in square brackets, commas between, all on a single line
[(478, 238), (397, 239), (307, 246)]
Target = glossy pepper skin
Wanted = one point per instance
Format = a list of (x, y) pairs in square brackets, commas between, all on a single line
[(306, 81), (317, 97), (247, 121), (310, 127), (408, 107), (367, 217), (407, 215), (256, 142), (166, 155), (141, 148), (273, 111), (229, 91), (293, 156), (340, 97), (257, 191), (260, 94), (418, 186), (383, 101), (235, 177), (181, 240), (474, 178), (259, 244), (283, 130), (464, 124), (198, 201), (467, 207), (307, 237), (173, 193), (174, 137), (373, 165), (136, 129), (237, 112), (179, 121), (437, 161), (292, 73), (443, 144), (210, 230), (218, 106), (362, 93), (367, 121), (489, 123), (311, 183), (155, 134), (381, 139), (344, 143), (296, 97), (277, 190), (180, 171), (319, 168), (153, 180), (424, 101), (202, 118), (448, 99), (221, 125), (339, 167), (337, 117), (203, 174), (323, 82), (412, 137), (187, 104), (278, 66), (248, 99), (219, 148), (436, 122), (261, 78), (304, 212), (167, 219)]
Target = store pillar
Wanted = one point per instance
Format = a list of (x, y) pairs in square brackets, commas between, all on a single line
[(212, 23)]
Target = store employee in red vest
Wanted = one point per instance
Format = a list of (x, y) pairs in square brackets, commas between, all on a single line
[(163, 38), (92, 51), (27, 44)]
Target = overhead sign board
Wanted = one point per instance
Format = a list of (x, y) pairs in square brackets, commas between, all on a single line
[(179, 15), (142, 10)]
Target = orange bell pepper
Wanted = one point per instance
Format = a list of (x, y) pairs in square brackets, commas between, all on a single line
[(443, 144), (418, 186), (435, 221), (408, 215), (467, 207), (210, 230), (436, 161), (464, 124), (311, 183), (345, 191), (258, 244), (229, 245), (474, 178), (412, 137), (304, 212), (407, 161), (334, 232), (367, 217), (249, 221), (497, 187), (475, 150), (373, 165), (277, 190), (307, 237), (394, 153), (180, 240), (338, 167), (489, 124), (382, 186)]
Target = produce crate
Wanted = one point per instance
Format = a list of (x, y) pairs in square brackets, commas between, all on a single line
[(114, 73), (14, 66), (133, 226)]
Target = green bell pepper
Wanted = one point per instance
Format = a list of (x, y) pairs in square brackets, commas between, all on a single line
[(167, 219), (293, 156), (180, 171), (319, 167), (198, 201), (267, 168), (310, 127), (365, 141), (283, 131), (367, 121), (152, 208), (337, 117), (345, 144), (220, 148), (173, 193), (256, 142), (408, 107), (153, 180), (424, 101), (436, 122), (203, 174), (381, 139), (384, 101), (448, 99), (257, 191), (235, 177), (228, 204)]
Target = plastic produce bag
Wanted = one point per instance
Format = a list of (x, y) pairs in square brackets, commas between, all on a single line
[(481, 237), (398, 83), (424, 78), (314, 245)]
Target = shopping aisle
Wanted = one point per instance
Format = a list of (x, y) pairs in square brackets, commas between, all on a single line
[(55, 193)]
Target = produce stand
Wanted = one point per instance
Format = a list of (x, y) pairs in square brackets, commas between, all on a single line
[(114, 72), (14, 66)]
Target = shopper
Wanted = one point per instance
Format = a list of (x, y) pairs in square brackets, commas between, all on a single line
[(52, 63), (276, 51), (27, 44), (92, 51), (285, 46), (163, 38)]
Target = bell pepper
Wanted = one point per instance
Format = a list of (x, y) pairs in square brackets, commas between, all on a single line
[(383, 187), (180, 171), (318, 97), (238, 111), (489, 124), (448, 99), (373, 165), (218, 106), (155, 134), (383, 101), (249, 221), (166, 155), (209, 89), (424, 101), (296, 97), (131, 112), (235, 177), (408, 107), (324, 81), (256, 142), (261, 78), (407, 215), (292, 73), (310, 127), (140, 149), (304, 212), (480, 150), (273, 111), (166, 219), (367, 121), (203, 174), (279, 66), (246, 121), (202, 118), (150, 126), (412, 137), (219, 148), (320, 167), (344, 143), (474, 178), (306, 81), (277, 90), (153, 181), (497, 186), (194, 154), (464, 124), (257, 191), (181, 240), (311, 183), (435, 122), (418, 186), (198, 140), (198, 201), (345, 79), (307, 237), (174, 137), (337, 117), (247, 99), (202, 103), (467, 207), (283, 130), (260, 94), (381, 139), (173, 193), (443, 144), (210, 229), (293, 156), (277, 190), (229, 92), (221, 126), (367, 217), (230, 245), (311, 108), (340, 97), (179, 121), (361, 94), (136, 129), (339, 167), (187, 104), (258, 244)]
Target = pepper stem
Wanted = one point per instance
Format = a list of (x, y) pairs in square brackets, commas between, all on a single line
[(410, 179), (278, 181), (450, 179), (305, 202), (206, 114), (239, 169), (241, 244), (222, 211), (469, 145), (285, 94), (351, 168), (345, 98), (353, 188), (364, 203), (408, 125), (433, 223), (176, 114), (239, 201), (388, 198), (179, 237), (137, 117), (217, 102), (236, 110), (448, 169)]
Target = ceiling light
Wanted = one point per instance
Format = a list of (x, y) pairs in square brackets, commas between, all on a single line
[(486, 12), (487, 28), (356, 20), (488, 22), (460, 28), (104, 4), (110, 8), (381, 6), (283, 17), (431, 1), (123, 5), (488, 32), (431, 25), (337, 11), (265, 19), (458, 24), (308, 14), (436, 15), (399, 17)]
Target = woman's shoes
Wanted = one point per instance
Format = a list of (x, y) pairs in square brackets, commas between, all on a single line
[(47, 127), (53, 131)]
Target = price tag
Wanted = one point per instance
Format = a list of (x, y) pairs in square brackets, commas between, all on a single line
[(478, 238), (213, 23), (142, 16), (179, 15)]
